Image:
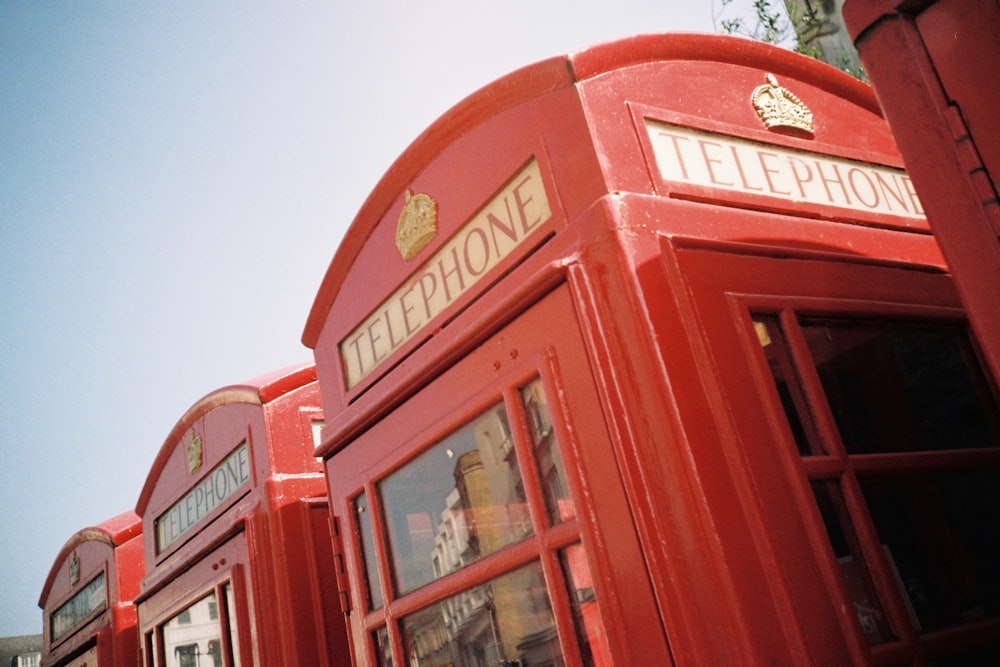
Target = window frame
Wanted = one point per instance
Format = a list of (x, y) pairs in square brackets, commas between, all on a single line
[(543, 545), (221, 569), (545, 340), (728, 291), (838, 466)]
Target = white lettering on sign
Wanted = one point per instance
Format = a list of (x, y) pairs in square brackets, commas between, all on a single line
[(501, 226), (718, 161), (90, 599), (224, 480)]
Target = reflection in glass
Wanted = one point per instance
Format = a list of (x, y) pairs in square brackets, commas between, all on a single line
[(193, 638), (586, 616), (980, 656), (506, 621), (550, 465), (86, 602), (902, 387), (459, 501), (941, 530), (383, 650), (846, 548), (373, 587)]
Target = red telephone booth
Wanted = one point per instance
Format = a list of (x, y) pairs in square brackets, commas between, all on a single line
[(646, 355), (239, 567), (89, 619)]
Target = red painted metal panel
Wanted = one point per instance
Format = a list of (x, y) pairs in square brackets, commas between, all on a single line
[(936, 67), (676, 490), (963, 40), (543, 340), (235, 513)]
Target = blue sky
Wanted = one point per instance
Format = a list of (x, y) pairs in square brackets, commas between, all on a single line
[(174, 179)]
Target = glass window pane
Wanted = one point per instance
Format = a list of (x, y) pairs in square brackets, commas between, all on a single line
[(942, 532), (459, 501), (373, 585), (550, 465), (983, 656), (587, 617), (506, 621), (793, 400), (383, 650), (857, 580), (85, 603), (895, 387), (193, 638)]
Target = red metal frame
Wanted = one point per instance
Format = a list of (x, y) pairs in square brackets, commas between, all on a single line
[(108, 632), (606, 291), (935, 65), (265, 547), (499, 374)]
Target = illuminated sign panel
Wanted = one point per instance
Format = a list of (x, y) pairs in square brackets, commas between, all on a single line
[(489, 237), (727, 163), (92, 598), (224, 481)]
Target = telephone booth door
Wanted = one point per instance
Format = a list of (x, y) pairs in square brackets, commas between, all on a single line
[(206, 614), (857, 391), (482, 519)]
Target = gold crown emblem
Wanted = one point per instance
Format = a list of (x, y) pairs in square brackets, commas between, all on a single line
[(193, 452), (417, 224), (74, 570), (779, 108)]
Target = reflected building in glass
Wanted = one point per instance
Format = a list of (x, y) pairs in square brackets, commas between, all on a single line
[(497, 622)]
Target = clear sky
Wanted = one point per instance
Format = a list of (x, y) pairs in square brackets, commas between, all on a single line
[(174, 179)]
